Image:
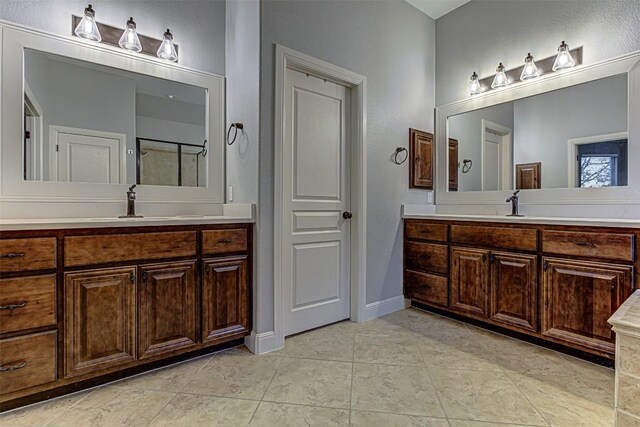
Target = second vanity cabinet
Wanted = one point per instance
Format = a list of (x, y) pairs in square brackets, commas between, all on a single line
[(554, 283)]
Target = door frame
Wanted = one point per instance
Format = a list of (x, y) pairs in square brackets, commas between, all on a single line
[(290, 59), (506, 171)]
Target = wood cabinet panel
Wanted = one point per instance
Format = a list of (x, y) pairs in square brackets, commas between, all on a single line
[(27, 361), (513, 290), (225, 298), (167, 308), (420, 159), (107, 248), (579, 297), (469, 280), (27, 302), (426, 288), (426, 231), (100, 307), (525, 239), (615, 246), (453, 164), (27, 254), (224, 241), (528, 176), (427, 257)]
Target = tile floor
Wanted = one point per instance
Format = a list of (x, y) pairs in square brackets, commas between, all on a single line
[(409, 368)]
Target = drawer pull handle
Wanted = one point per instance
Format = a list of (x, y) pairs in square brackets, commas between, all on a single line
[(227, 241), (13, 255), (586, 244), (13, 367), (13, 306)]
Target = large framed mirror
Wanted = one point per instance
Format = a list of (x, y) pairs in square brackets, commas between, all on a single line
[(83, 122), (564, 138)]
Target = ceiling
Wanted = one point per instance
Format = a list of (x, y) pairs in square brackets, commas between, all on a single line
[(437, 8)]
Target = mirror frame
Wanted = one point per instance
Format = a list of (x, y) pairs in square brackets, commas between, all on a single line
[(14, 39), (625, 64)]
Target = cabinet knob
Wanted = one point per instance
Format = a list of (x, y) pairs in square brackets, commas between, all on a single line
[(144, 276), (132, 277)]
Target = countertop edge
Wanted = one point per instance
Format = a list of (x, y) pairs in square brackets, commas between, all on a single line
[(82, 223), (595, 222)]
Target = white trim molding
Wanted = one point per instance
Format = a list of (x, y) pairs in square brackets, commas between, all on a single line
[(290, 59), (572, 152), (384, 307), (261, 343)]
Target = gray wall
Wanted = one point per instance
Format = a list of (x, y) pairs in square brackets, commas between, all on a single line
[(482, 33), (197, 26), (392, 44)]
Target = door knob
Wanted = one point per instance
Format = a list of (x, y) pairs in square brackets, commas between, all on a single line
[(347, 215)]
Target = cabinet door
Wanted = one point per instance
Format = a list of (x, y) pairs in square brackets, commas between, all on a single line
[(420, 159), (167, 309), (469, 279), (99, 320), (579, 297), (453, 164), (513, 289), (225, 298)]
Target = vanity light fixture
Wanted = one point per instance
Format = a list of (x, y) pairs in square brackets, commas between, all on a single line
[(564, 60), (474, 85), (500, 80), (530, 70), (167, 50), (87, 28), (129, 39)]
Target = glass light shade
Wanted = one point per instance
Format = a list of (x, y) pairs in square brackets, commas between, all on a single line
[(530, 70), (500, 80), (474, 85), (87, 28), (167, 50), (129, 39), (564, 60)]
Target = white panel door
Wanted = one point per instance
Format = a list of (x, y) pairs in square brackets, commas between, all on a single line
[(316, 267), (491, 161), (86, 158)]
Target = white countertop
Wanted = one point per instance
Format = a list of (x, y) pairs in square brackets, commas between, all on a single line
[(231, 215), (419, 212), (627, 317)]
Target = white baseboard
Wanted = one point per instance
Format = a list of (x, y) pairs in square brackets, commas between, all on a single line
[(380, 308), (262, 343)]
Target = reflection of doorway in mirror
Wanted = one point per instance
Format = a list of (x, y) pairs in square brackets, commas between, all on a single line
[(496, 157), (32, 136), (598, 161)]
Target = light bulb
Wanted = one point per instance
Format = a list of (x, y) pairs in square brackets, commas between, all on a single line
[(474, 85), (167, 50), (563, 60), (500, 80), (87, 28), (129, 39), (530, 70)]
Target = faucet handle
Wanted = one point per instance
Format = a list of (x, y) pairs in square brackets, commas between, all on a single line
[(132, 187), (516, 193)]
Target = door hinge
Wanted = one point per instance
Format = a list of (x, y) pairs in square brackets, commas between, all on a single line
[(27, 134), (57, 147)]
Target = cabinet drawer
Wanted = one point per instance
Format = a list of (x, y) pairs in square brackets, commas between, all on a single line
[(597, 245), (27, 254), (427, 288), (224, 241), (101, 249), (524, 239), (426, 231), (30, 361), (27, 302), (427, 257)]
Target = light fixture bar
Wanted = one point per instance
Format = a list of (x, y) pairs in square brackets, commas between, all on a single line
[(111, 36), (544, 67)]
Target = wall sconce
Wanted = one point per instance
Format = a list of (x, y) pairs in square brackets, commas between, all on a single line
[(530, 70), (500, 80), (564, 60), (167, 50), (129, 39), (474, 85), (87, 28)]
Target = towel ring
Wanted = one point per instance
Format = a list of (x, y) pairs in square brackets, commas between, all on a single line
[(394, 156), (235, 126)]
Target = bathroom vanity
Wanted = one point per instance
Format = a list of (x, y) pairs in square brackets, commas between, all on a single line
[(551, 280), (86, 305)]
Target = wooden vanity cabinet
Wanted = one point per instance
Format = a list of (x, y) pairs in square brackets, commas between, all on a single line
[(557, 284)]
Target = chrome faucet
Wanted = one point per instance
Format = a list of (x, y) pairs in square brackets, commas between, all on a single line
[(131, 204), (514, 199)]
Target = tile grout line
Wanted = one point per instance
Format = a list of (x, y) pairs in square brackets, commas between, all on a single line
[(527, 398), (264, 393), (353, 358), (55, 417)]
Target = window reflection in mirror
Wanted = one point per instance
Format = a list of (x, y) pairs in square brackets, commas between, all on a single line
[(82, 121), (572, 137)]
